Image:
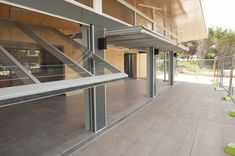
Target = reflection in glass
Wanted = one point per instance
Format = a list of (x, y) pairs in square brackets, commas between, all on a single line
[(118, 10), (40, 62), (10, 74), (147, 11), (75, 51), (144, 22), (85, 2)]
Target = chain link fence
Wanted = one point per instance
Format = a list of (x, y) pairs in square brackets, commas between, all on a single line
[(225, 74), (195, 70)]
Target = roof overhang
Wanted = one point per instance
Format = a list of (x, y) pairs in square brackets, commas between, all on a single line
[(139, 37)]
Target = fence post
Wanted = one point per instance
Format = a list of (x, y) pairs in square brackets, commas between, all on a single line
[(214, 68), (230, 91), (221, 73)]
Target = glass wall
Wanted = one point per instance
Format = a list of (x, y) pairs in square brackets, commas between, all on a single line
[(159, 24), (147, 11), (38, 61), (148, 17), (118, 10), (88, 3), (11, 74), (49, 51), (144, 22)]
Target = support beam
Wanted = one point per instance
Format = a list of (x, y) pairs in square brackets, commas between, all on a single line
[(76, 13), (151, 72), (101, 106), (54, 51), (97, 5), (171, 68), (86, 52)]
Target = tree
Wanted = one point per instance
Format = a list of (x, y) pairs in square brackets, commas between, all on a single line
[(192, 45), (215, 45), (226, 44)]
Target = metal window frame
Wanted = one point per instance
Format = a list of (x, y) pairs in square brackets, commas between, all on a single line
[(54, 51), (76, 45), (18, 94)]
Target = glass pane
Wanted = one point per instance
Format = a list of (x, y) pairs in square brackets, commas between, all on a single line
[(168, 28), (9, 32), (85, 2), (41, 63), (174, 31), (10, 74), (132, 2), (144, 22), (147, 11), (118, 10), (75, 51), (159, 24)]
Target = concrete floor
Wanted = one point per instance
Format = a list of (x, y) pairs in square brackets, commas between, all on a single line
[(188, 120), (52, 125), (123, 98)]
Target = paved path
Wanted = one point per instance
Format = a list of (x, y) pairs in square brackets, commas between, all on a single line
[(188, 120)]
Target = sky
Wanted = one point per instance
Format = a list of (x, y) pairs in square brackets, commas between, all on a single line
[(220, 13)]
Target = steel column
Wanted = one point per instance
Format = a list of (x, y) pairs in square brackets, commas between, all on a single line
[(230, 90), (151, 72), (96, 114), (165, 66), (171, 68)]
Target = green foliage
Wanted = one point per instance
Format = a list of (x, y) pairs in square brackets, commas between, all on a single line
[(226, 44), (219, 42), (192, 45)]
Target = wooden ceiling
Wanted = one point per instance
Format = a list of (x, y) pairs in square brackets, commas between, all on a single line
[(31, 17), (186, 15)]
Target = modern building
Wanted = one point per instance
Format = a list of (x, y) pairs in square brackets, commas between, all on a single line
[(76, 67)]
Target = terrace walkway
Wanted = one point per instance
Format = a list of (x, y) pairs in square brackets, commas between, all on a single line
[(188, 120)]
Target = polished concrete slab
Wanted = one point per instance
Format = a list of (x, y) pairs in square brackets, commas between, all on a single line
[(42, 127), (123, 98), (188, 120), (52, 125)]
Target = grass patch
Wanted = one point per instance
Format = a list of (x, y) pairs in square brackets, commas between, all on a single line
[(230, 149), (232, 113), (228, 98)]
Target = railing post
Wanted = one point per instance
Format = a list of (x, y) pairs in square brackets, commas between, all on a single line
[(222, 73), (165, 66), (230, 91), (171, 67)]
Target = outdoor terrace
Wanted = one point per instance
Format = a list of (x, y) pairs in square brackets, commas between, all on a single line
[(188, 120)]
